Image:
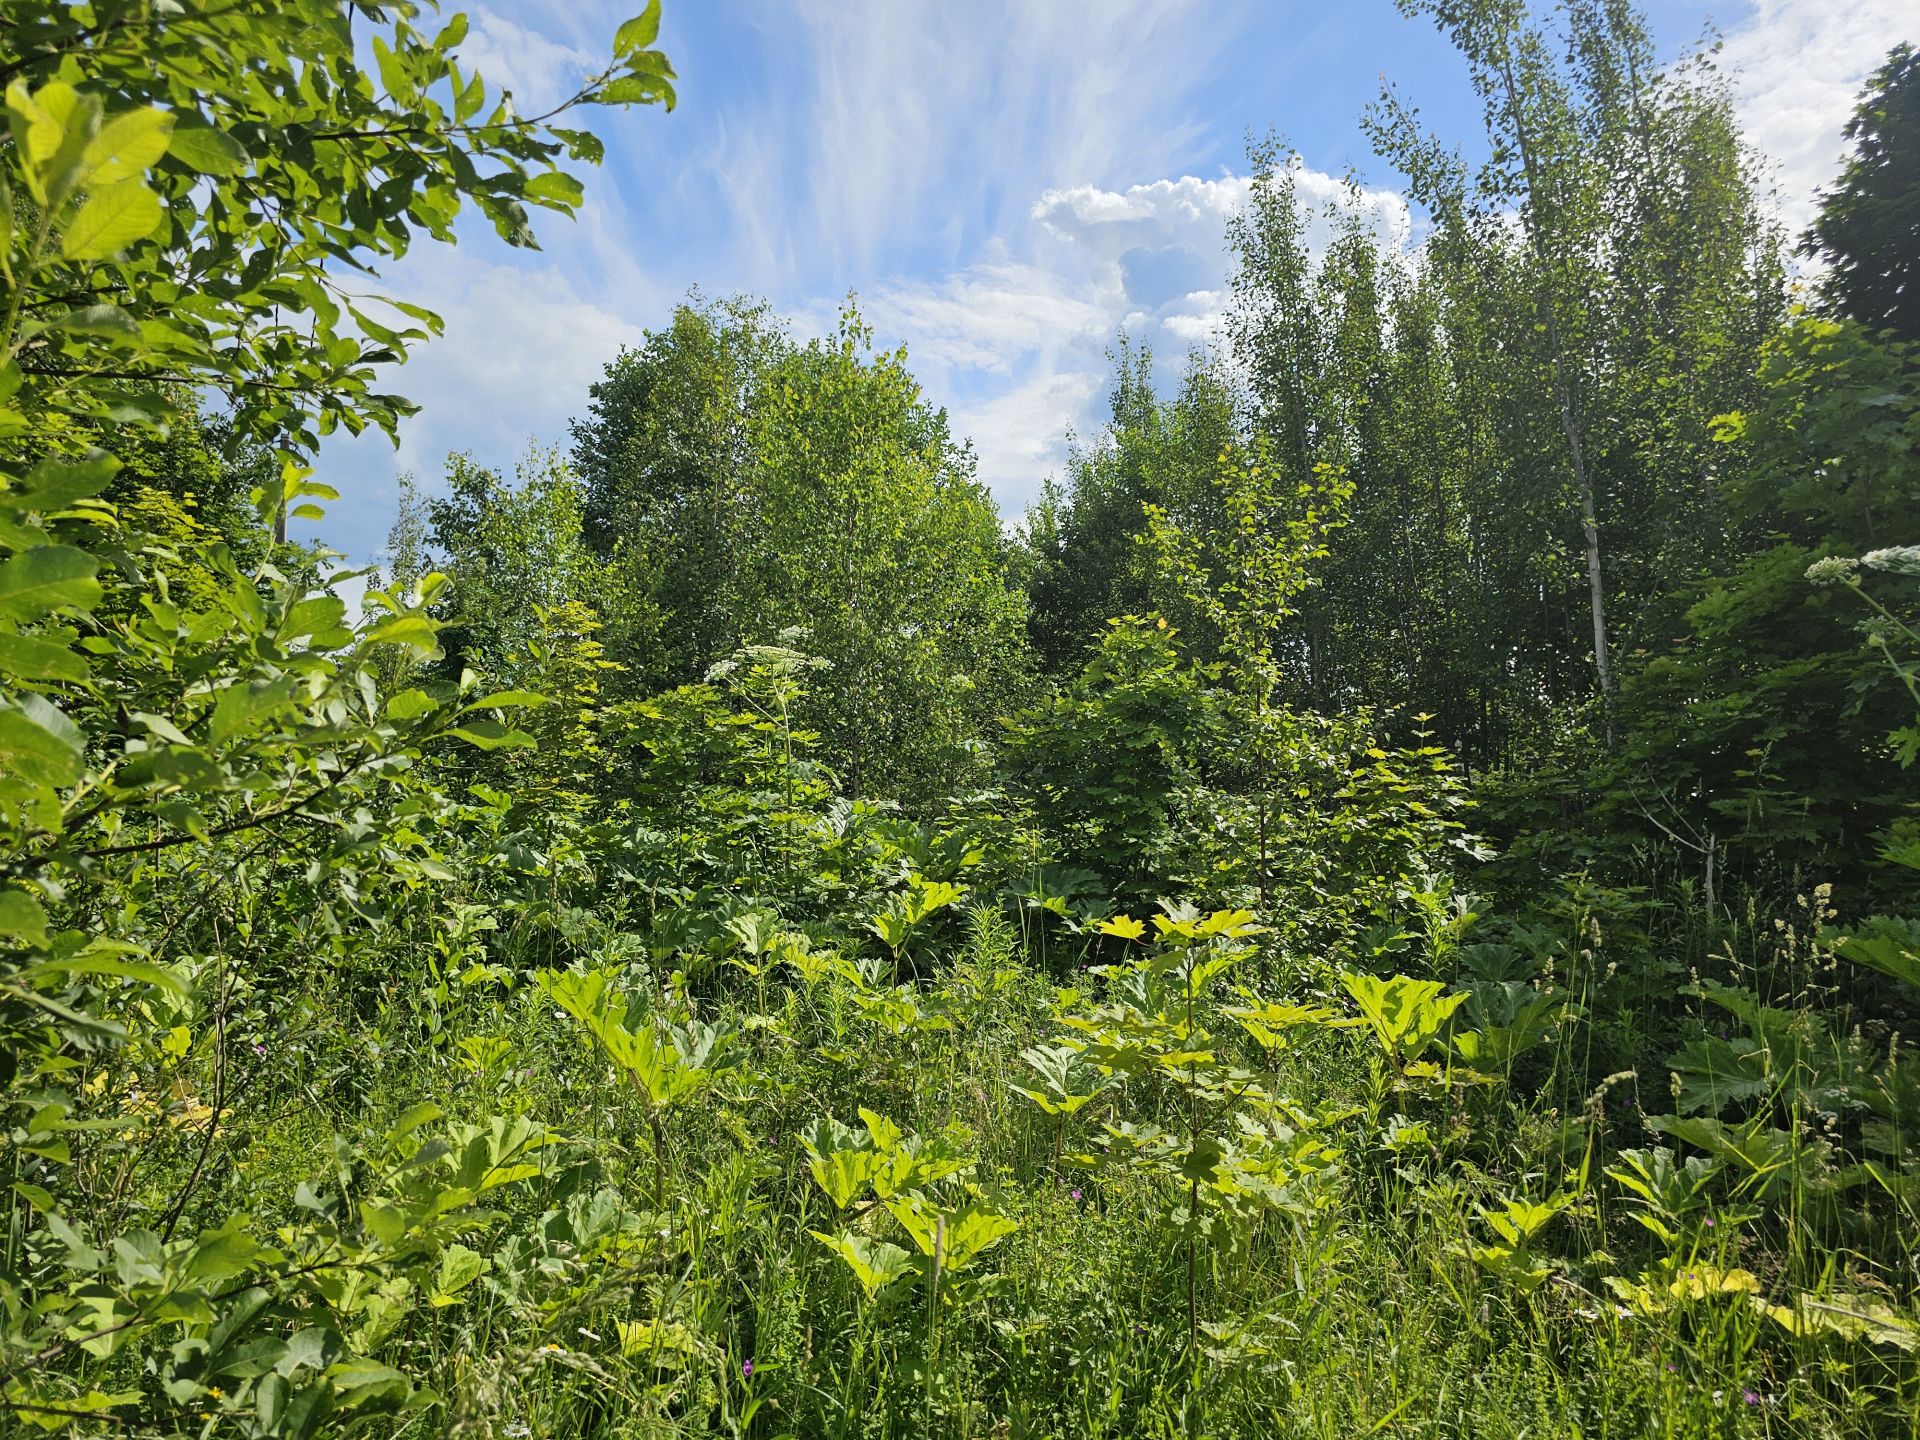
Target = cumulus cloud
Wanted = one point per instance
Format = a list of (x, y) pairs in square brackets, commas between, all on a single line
[(520, 349), (1017, 348), (1799, 66), (1020, 436), (1158, 251)]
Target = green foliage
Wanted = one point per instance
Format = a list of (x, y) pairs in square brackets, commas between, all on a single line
[(1864, 231), (435, 1023), (741, 485), (186, 184)]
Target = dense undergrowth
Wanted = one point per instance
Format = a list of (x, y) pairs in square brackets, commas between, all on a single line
[(798, 968)]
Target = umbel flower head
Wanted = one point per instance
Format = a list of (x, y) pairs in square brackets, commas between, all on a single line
[(1832, 570)]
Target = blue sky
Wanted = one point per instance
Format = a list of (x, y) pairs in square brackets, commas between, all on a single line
[(1005, 184)]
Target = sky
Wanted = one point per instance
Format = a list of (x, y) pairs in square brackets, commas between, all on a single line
[(1005, 185)]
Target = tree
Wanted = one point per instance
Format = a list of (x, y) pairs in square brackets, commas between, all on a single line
[(1758, 733), (665, 460), (1868, 228), (197, 195), (742, 486), (514, 551), (1083, 542), (874, 535), (184, 192), (1625, 278)]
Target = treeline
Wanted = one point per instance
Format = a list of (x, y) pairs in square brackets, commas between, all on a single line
[(1386, 895), (1555, 475)]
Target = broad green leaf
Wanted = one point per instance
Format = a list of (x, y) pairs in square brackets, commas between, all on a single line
[(973, 1231), (115, 966), (221, 1254), (112, 218), (27, 657), (639, 32), (366, 1386), (413, 630), (127, 147), (242, 705), (410, 705), (38, 743), (662, 1341), (469, 98), (1406, 1015), (103, 319), (876, 1264), (46, 578), (22, 917), (1881, 943), (843, 1174), (207, 150), (554, 187), (508, 700), (56, 481), (314, 615), (459, 1268), (492, 735)]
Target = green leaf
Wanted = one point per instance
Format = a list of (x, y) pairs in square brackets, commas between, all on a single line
[(459, 1268), (410, 705), (974, 1230), (843, 1174), (96, 963), (39, 744), (416, 631), (554, 187), (508, 700), (112, 219), (492, 735), (469, 98), (22, 917), (55, 483), (46, 578), (207, 150), (108, 320), (639, 32), (876, 1264), (314, 615), (127, 147), (27, 658), (636, 90), (241, 706), (369, 1386)]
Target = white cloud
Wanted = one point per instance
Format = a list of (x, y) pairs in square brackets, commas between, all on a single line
[(1799, 66), (520, 349), (540, 72), (1024, 342), (1021, 434), (1004, 97), (987, 316)]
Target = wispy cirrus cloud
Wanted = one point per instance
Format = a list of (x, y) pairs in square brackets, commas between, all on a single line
[(1005, 184)]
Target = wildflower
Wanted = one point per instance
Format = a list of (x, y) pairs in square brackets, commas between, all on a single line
[(746, 1370), (1752, 1397), (1832, 570), (1901, 560), (1074, 1195)]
